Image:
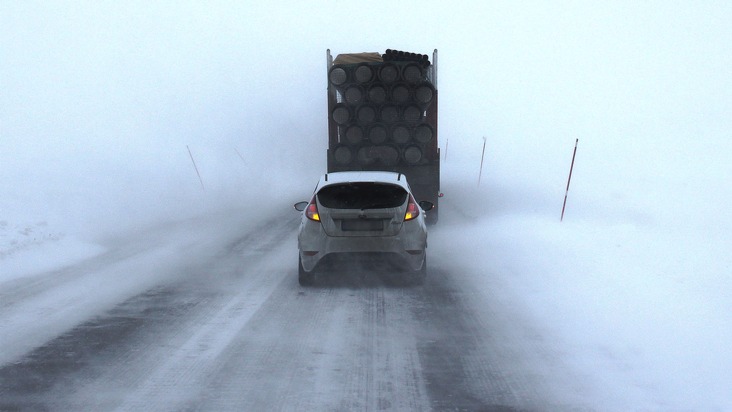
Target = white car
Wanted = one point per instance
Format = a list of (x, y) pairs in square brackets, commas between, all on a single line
[(363, 215)]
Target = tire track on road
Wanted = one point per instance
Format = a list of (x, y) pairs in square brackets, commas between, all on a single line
[(97, 364)]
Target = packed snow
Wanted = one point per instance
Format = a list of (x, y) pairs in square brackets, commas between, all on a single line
[(105, 108)]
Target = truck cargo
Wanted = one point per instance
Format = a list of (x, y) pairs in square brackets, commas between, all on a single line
[(382, 116)]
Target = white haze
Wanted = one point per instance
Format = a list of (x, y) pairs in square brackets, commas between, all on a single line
[(100, 102)]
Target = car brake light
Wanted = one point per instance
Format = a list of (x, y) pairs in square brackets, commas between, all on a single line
[(312, 211), (412, 209)]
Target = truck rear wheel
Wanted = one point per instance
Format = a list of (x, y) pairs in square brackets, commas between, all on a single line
[(431, 217)]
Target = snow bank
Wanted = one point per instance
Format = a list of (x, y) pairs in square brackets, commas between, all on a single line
[(27, 249), (636, 304)]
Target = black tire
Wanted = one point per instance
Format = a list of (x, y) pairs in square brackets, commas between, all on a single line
[(431, 216), (416, 277), (303, 277), (420, 275)]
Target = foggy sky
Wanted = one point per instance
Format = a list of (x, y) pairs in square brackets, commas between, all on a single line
[(100, 100)]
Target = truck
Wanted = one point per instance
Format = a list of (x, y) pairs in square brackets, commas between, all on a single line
[(382, 116)]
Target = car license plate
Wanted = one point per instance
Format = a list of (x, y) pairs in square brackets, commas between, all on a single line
[(362, 224)]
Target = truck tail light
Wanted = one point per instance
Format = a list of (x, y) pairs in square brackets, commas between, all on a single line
[(412, 209), (312, 211)]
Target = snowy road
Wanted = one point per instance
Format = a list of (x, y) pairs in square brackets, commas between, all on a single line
[(208, 315)]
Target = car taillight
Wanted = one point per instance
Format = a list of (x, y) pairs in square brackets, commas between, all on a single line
[(312, 211), (412, 209)]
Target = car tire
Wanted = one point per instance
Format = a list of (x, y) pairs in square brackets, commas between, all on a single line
[(303, 277), (417, 277)]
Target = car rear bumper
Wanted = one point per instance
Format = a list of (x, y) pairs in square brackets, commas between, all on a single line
[(407, 248), (363, 260)]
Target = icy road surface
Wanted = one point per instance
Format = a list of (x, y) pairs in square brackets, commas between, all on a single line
[(207, 314)]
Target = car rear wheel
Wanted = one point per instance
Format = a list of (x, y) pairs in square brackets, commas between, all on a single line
[(304, 278), (417, 277)]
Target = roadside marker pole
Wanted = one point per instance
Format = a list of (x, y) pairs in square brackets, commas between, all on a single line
[(568, 179), (195, 167), (240, 156), (481, 161)]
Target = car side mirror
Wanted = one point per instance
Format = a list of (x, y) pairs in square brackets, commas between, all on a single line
[(300, 206), (426, 205)]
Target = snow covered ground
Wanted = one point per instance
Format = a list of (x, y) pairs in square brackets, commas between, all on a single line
[(639, 306), (31, 247), (101, 103)]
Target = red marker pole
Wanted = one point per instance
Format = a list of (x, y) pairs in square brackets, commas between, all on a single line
[(569, 179)]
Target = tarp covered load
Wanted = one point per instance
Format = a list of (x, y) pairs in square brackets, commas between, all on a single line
[(351, 58)]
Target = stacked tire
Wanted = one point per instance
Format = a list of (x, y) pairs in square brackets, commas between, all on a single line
[(381, 111)]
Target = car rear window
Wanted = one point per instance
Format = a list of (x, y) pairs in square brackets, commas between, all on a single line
[(362, 195)]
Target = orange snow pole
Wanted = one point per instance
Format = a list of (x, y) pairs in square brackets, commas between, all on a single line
[(568, 179)]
